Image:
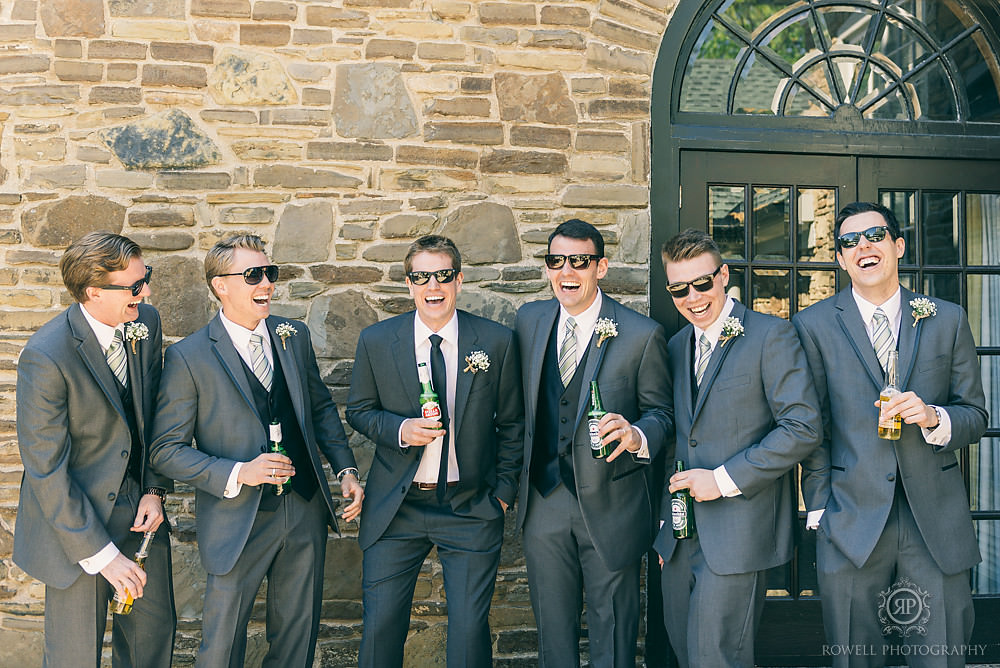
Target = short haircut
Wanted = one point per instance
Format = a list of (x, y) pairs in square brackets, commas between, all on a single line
[(88, 261), (574, 228), (433, 243), (854, 208), (220, 256), (688, 245)]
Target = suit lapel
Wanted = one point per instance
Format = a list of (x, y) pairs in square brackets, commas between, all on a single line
[(682, 379), (715, 361), (909, 337), (135, 381), (849, 319), (595, 358), (231, 362), (405, 356), (539, 342), (290, 369), (468, 338), (93, 357)]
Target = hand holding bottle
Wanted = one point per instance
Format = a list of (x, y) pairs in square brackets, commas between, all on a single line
[(420, 431), (266, 468), (126, 576)]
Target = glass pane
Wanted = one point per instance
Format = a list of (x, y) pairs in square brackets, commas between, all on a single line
[(755, 90), (819, 81), (817, 209), (936, 17), (982, 229), (771, 223), (900, 44), (737, 284), (845, 25), (984, 309), (989, 370), (849, 70), (808, 585), (940, 228), (986, 575), (875, 101), (984, 474), (710, 70), (794, 38), (909, 281), (748, 14), (802, 102), (945, 286), (726, 219), (903, 204), (771, 292), (932, 94), (978, 70), (814, 286)]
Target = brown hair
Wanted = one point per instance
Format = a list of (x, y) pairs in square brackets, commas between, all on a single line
[(687, 245), (88, 261), (433, 243), (220, 256)]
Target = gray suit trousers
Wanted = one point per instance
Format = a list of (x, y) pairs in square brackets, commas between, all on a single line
[(76, 617)]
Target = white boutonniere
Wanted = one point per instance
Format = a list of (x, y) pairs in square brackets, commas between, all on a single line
[(477, 360), (922, 308), (135, 332), (731, 328), (284, 330), (605, 328)]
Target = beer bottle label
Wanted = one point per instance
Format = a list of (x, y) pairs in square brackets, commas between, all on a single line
[(275, 432), (595, 434), (678, 514), (431, 409)]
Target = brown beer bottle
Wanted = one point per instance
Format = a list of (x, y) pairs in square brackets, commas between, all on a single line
[(120, 606)]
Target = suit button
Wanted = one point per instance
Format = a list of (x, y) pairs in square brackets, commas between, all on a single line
[(693, 443), (562, 438), (124, 453), (111, 497), (563, 420), (563, 402), (891, 477)]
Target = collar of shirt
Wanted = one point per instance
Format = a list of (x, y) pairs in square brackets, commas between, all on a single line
[(105, 333), (422, 333), (714, 330), (585, 323), (240, 336), (891, 308)]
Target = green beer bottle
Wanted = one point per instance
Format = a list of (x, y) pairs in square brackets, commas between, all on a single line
[(594, 416), (682, 510), (275, 433)]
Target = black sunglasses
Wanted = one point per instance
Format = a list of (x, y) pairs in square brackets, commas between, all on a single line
[(701, 284), (255, 275), (136, 287), (873, 234), (442, 276), (577, 261)]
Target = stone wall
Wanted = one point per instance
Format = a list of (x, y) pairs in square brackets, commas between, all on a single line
[(338, 130)]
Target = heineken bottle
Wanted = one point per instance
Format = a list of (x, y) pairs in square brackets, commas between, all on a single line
[(682, 510), (279, 488), (123, 606), (594, 416)]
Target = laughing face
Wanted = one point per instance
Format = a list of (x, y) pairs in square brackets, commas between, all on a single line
[(113, 307), (576, 289), (435, 301), (246, 305), (701, 309), (871, 266)]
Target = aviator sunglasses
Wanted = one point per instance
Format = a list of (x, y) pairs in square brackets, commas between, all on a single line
[(577, 261), (422, 277), (873, 234), (136, 287), (704, 283), (255, 275)]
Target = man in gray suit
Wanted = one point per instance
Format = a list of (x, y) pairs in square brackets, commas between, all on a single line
[(889, 511), (587, 522), (444, 481), (746, 413), (225, 387), (86, 389)]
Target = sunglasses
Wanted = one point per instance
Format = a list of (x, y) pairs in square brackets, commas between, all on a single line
[(873, 234), (577, 261), (701, 284), (442, 276), (255, 275), (136, 287)]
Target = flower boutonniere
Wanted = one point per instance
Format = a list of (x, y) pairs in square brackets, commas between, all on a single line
[(731, 328), (135, 332), (284, 330), (922, 308), (605, 328), (477, 360)]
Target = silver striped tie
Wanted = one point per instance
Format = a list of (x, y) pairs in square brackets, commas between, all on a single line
[(704, 354), (116, 358), (258, 361), (881, 337), (567, 353)]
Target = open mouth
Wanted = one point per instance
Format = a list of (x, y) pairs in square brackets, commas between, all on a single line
[(135, 304), (434, 299), (868, 262), (700, 310), (262, 300), (569, 286)]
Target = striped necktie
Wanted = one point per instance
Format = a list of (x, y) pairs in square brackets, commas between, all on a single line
[(258, 361), (881, 337), (704, 354), (116, 358), (567, 353)]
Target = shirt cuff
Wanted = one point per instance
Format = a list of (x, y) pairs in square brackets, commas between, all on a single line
[(643, 451), (97, 563), (813, 517), (941, 434), (399, 436), (725, 482), (233, 485)]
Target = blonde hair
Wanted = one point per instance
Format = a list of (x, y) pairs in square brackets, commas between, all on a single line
[(220, 256), (88, 261)]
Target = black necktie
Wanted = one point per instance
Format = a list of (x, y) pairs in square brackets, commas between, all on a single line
[(439, 376)]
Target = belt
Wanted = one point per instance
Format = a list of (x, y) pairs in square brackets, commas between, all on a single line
[(427, 486)]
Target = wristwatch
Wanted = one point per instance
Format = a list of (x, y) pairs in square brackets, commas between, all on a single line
[(349, 469), (158, 491), (937, 411)]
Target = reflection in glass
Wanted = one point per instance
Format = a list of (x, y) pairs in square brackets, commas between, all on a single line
[(900, 44), (908, 281), (802, 102), (817, 213), (986, 574), (710, 69), (792, 37), (846, 25), (726, 220), (737, 284), (977, 69), (749, 14), (771, 218), (946, 286), (754, 92), (989, 369), (814, 285), (982, 229), (903, 204), (984, 308), (933, 95), (771, 292), (940, 228), (935, 17), (877, 100)]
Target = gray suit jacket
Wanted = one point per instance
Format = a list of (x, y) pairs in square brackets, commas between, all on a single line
[(853, 474), (75, 441), (488, 421), (756, 413), (616, 498), (205, 398)]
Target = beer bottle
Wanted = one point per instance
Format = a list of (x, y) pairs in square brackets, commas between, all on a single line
[(682, 510), (890, 427), (120, 606), (279, 488), (429, 405), (594, 416)]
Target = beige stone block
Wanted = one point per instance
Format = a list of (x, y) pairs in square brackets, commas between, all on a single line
[(564, 15), (40, 149), (450, 10), (464, 133), (9, 276), (24, 321), (542, 136), (267, 150), (599, 167), (552, 39), (390, 48), (232, 9), (619, 109), (63, 48), (605, 142), (629, 37), (308, 72), (183, 76), (26, 298), (246, 215), (511, 184), (93, 154), (617, 59), (316, 97), (192, 53), (265, 35), (247, 198), (432, 84), (458, 106), (559, 62), (635, 16), (640, 152), (444, 157), (261, 132), (207, 30), (23, 32), (159, 29), (427, 179), (23, 64), (419, 30), (115, 49), (24, 10), (606, 196), (437, 51), (174, 99), (333, 54), (622, 87), (76, 70), (506, 13), (121, 179), (274, 11), (122, 71), (335, 17), (312, 36), (588, 84)]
